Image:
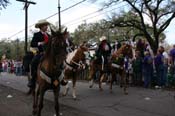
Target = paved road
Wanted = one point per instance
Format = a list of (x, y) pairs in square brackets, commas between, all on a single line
[(139, 102), (16, 103)]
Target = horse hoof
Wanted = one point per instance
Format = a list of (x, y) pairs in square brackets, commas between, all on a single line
[(90, 86), (111, 91), (63, 94), (34, 112), (126, 93), (60, 114), (74, 97), (29, 92)]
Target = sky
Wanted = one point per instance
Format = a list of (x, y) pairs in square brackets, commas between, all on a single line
[(12, 18)]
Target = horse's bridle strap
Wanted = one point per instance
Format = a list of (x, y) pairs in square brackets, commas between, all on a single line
[(69, 64), (78, 64)]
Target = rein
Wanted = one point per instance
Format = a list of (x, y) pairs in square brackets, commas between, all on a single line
[(80, 64)]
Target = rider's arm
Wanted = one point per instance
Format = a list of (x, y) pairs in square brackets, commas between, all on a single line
[(37, 40), (34, 42)]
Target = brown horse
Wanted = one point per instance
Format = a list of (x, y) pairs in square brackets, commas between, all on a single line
[(111, 67), (118, 65), (75, 63), (49, 72)]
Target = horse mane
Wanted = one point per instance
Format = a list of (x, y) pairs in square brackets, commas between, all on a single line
[(49, 55), (119, 51), (79, 53), (71, 55)]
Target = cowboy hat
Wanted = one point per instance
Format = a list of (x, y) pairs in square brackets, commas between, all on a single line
[(103, 38), (41, 22)]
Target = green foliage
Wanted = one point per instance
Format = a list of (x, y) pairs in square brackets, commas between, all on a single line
[(94, 31), (12, 49), (150, 17)]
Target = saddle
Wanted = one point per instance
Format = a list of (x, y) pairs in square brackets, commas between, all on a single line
[(118, 61)]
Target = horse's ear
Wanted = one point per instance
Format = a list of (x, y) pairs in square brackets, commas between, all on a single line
[(65, 31), (52, 32), (52, 29), (84, 46)]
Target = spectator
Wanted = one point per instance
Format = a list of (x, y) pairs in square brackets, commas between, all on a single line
[(140, 46), (1, 67), (166, 60), (137, 69), (147, 69), (159, 65)]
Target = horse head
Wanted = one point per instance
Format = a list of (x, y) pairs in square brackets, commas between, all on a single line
[(56, 49), (83, 52), (127, 50), (124, 50), (77, 58)]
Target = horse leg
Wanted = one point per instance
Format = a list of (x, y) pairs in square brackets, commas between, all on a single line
[(101, 80), (56, 95), (92, 76), (35, 99), (124, 79), (112, 80), (41, 98), (74, 88), (66, 89), (91, 83)]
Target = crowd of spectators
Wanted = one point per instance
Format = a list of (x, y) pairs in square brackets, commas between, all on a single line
[(11, 66), (153, 69)]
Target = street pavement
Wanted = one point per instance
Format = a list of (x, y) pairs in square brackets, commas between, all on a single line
[(92, 102), (16, 103)]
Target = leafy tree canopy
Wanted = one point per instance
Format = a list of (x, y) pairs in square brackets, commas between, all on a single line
[(146, 15), (3, 4)]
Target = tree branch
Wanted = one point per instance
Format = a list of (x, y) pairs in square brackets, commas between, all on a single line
[(165, 25)]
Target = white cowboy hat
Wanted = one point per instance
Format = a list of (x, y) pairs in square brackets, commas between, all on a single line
[(103, 38), (41, 22)]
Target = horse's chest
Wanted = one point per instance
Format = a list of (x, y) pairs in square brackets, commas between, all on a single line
[(118, 60)]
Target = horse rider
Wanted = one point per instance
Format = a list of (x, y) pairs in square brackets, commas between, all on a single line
[(38, 45), (104, 51), (70, 44)]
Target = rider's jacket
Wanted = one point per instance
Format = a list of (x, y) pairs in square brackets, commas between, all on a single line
[(39, 37), (104, 49)]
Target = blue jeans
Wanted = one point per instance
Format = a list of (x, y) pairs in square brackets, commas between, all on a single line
[(147, 73), (160, 75), (165, 73)]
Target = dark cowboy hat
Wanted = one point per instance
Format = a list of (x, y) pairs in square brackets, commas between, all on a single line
[(41, 22)]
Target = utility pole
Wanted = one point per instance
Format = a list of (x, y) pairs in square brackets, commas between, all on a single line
[(27, 3), (59, 15)]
